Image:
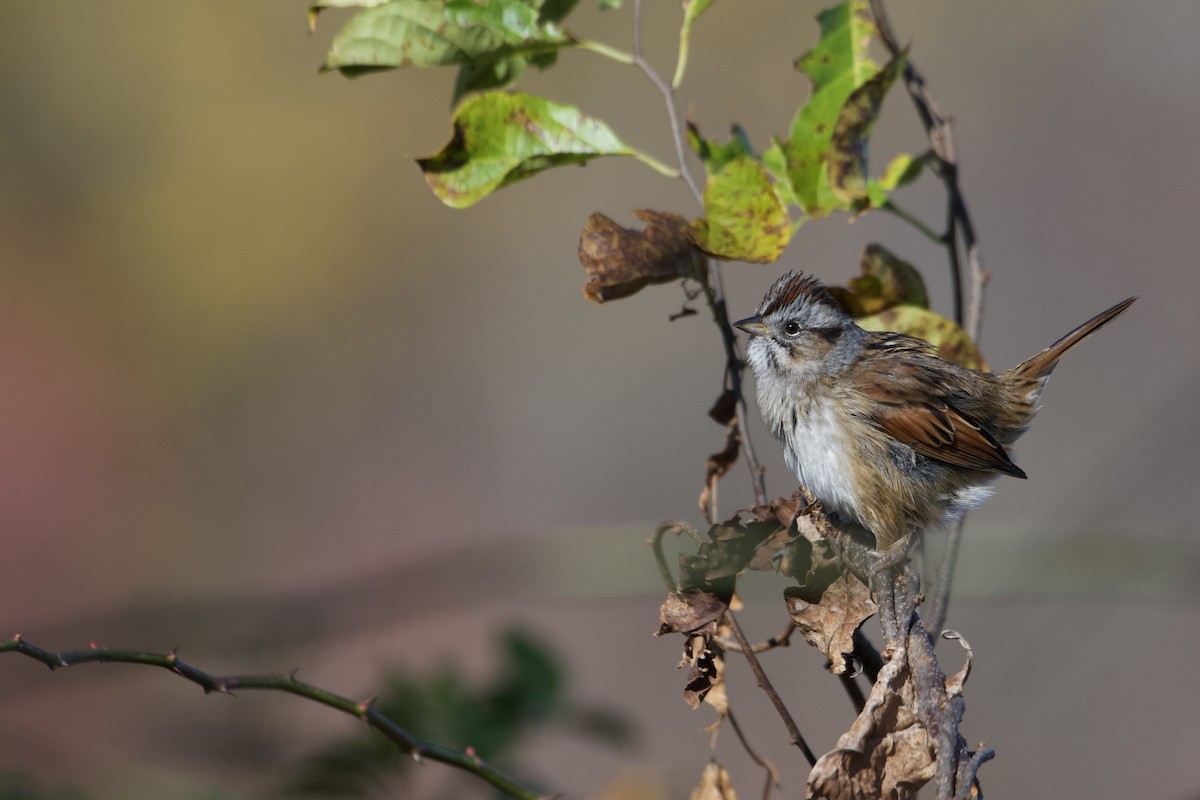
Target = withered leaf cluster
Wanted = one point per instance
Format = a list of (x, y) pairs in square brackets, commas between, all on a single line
[(887, 752), (789, 536)]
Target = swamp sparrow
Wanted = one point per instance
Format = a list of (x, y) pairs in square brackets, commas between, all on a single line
[(886, 434)]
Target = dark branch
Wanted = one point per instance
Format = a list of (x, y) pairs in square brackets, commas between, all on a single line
[(228, 684), (764, 683)]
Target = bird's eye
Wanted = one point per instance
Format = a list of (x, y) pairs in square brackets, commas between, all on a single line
[(791, 328)]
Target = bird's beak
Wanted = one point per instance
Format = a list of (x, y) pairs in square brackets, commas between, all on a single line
[(752, 325)]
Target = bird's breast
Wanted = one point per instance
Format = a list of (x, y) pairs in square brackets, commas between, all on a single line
[(817, 451)]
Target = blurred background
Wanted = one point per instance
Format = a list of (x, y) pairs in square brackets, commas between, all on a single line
[(263, 398)]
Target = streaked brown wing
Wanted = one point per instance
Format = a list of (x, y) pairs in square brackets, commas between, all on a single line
[(912, 405), (942, 433)]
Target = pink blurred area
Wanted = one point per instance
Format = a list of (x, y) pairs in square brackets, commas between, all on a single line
[(262, 397)]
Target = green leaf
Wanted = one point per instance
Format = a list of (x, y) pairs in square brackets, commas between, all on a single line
[(501, 138), (514, 21), (744, 218), (714, 154), (901, 171), (555, 10), (316, 8), (486, 75), (774, 159), (847, 156), (837, 65), (428, 33)]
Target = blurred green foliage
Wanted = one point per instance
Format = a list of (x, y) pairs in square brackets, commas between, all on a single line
[(18, 785), (527, 692)]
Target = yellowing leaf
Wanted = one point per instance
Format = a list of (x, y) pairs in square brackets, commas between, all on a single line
[(744, 218), (951, 341)]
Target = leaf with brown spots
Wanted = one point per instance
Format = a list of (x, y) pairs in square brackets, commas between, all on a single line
[(744, 217), (837, 64), (887, 280), (500, 138), (847, 156), (620, 261)]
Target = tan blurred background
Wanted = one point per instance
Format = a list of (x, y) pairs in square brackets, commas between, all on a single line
[(265, 399)]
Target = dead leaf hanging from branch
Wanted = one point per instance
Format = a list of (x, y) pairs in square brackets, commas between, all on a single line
[(620, 261)]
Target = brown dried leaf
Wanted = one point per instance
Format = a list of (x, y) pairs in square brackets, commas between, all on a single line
[(707, 662), (718, 464), (620, 261), (714, 784), (885, 753), (683, 612), (828, 617)]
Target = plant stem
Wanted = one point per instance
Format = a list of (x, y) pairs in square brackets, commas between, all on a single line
[(765, 684), (714, 289), (600, 48), (228, 684)]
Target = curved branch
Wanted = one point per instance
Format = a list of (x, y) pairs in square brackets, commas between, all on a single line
[(228, 684)]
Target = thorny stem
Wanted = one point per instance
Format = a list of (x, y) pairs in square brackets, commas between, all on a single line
[(228, 684), (968, 306), (764, 683), (713, 288)]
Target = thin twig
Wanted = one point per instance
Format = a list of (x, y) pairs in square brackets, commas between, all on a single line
[(781, 639), (228, 684), (668, 98), (772, 773), (853, 691), (670, 526), (939, 128), (764, 683), (935, 618), (713, 286), (865, 651)]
